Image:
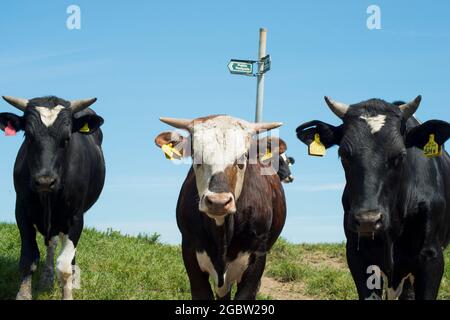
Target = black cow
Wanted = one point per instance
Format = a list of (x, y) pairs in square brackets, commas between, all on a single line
[(231, 208), (396, 200), (58, 175), (282, 166)]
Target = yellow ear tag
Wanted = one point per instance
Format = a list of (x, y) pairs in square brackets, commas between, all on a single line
[(267, 156), (170, 151), (316, 148), (85, 128), (432, 149)]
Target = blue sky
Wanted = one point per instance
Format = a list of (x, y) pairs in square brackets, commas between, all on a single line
[(146, 59)]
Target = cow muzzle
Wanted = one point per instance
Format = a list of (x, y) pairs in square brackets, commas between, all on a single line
[(45, 184), (367, 223), (219, 204)]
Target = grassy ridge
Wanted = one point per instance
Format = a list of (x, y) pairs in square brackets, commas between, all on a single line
[(114, 266)]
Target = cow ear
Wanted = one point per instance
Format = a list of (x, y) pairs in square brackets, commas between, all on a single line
[(277, 145), (329, 135), (87, 124), (10, 123), (420, 136), (173, 144)]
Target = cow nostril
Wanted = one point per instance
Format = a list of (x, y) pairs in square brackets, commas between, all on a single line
[(228, 201), (52, 183), (208, 200), (45, 182)]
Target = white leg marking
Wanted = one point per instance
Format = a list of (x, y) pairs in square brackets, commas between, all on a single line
[(49, 115), (233, 270), (375, 123), (205, 264), (25, 290), (64, 266), (394, 293)]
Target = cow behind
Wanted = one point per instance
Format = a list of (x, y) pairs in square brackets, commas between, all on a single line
[(58, 175), (396, 200), (230, 211)]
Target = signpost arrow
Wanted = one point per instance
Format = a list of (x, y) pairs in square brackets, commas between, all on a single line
[(244, 67)]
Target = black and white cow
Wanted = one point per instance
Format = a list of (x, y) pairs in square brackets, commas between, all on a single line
[(279, 150), (58, 175), (396, 200)]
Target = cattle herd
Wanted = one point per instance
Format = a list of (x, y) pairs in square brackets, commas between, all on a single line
[(231, 208)]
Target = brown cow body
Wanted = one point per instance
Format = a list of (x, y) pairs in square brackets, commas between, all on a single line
[(231, 208), (252, 231)]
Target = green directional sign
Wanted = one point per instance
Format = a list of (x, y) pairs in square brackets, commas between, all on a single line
[(244, 67), (266, 61)]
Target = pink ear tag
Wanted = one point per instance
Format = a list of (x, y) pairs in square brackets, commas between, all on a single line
[(9, 130)]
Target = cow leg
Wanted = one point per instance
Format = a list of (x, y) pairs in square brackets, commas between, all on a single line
[(66, 260), (408, 291), (29, 258), (429, 274), (199, 280), (358, 269), (48, 273), (249, 285)]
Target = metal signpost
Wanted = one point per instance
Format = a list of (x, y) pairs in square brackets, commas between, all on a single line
[(246, 68)]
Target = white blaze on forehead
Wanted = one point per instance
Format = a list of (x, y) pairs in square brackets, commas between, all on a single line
[(49, 115), (375, 123), (220, 141)]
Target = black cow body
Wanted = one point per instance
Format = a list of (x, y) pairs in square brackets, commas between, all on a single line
[(415, 242), (396, 201), (252, 230), (58, 176)]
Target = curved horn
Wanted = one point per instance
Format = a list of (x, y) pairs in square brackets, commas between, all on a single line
[(259, 126), (80, 105), (408, 109), (177, 123), (338, 108), (19, 103)]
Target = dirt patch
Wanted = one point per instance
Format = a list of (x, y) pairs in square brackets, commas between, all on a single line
[(321, 259), (282, 291)]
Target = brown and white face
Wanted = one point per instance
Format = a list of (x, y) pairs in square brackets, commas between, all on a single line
[(220, 148)]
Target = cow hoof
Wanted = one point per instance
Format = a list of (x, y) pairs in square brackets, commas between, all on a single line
[(23, 296)]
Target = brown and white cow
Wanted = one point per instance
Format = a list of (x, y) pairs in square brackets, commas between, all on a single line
[(230, 211)]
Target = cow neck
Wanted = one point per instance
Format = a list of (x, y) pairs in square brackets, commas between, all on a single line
[(220, 236), (46, 202)]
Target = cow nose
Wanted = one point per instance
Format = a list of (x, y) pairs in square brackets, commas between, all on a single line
[(45, 183), (288, 179), (220, 203), (368, 222)]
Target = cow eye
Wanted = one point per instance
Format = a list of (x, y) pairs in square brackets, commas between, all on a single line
[(397, 160), (240, 163), (65, 142)]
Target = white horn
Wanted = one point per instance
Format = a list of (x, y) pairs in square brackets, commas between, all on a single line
[(177, 123), (338, 108), (80, 105), (260, 126), (408, 109), (19, 103)]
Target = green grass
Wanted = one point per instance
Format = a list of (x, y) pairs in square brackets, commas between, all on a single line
[(114, 266)]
